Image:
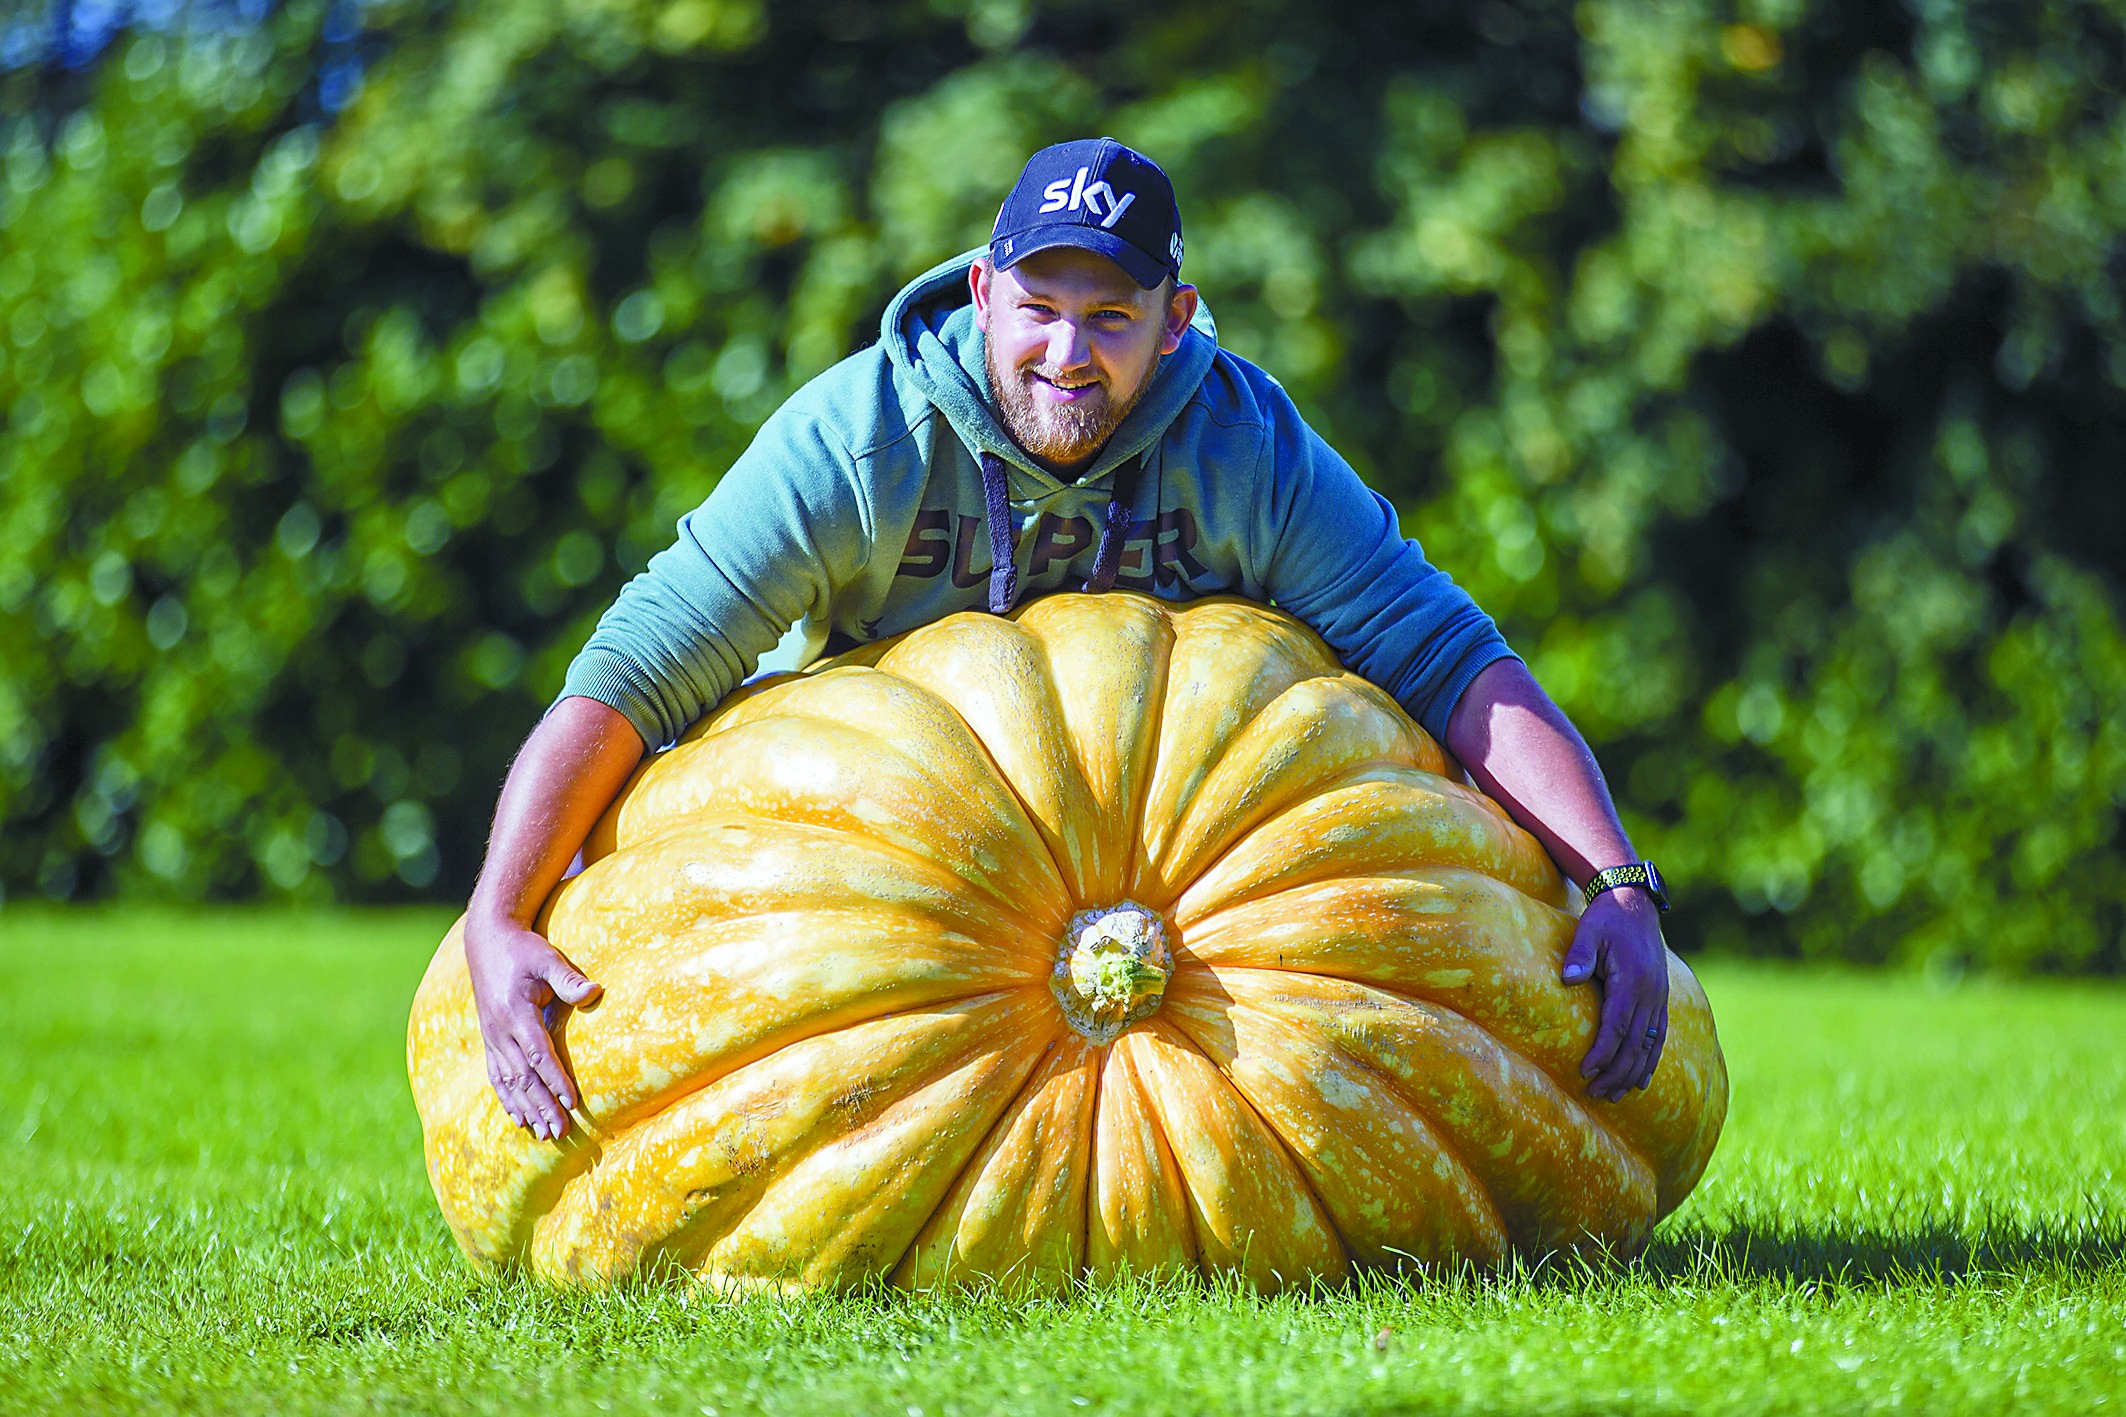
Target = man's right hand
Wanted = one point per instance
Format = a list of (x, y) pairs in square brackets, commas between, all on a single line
[(515, 975), (567, 773)]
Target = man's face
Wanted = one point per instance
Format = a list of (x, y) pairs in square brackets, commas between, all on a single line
[(1072, 344)]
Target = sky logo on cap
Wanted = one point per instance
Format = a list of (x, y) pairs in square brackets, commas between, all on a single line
[(1065, 194), (1097, 195)]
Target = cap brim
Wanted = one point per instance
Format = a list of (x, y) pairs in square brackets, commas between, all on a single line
[(1146, 271)]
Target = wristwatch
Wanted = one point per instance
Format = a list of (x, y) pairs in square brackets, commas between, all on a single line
[(1631, 873)]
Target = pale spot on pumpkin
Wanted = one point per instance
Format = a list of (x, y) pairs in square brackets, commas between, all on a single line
[(1338, 1089), (1450, 978)]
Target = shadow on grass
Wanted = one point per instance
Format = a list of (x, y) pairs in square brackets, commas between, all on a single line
[(1924, 1252)]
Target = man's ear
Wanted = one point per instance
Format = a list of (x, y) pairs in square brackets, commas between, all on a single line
[(1180, 309), (978, 285)]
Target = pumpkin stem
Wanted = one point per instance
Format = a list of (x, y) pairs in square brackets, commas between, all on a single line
[(1112, 969)]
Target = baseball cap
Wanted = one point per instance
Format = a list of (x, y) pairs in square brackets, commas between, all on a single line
[(1096, 194)]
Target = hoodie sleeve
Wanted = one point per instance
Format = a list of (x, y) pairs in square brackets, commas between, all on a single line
[(784, 529), (1330, 552)]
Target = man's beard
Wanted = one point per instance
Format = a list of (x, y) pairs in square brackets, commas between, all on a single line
[(1063, 434)]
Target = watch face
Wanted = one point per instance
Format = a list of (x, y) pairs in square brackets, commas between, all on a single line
[(1655, 886)]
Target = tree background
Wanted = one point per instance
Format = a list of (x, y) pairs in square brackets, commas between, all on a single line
[(1760, 366)]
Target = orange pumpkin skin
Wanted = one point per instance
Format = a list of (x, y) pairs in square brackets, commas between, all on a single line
[(851, 1030)]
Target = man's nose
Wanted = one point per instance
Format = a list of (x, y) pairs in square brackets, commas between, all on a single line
[(1068, 347)]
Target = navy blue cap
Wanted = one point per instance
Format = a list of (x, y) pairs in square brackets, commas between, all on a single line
[(1096, 194)]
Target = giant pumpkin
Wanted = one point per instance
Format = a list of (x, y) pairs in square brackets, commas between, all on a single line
[(1108, 935)]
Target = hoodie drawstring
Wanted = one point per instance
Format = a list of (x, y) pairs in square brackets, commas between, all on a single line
[(1004, 574), (1122, 491)]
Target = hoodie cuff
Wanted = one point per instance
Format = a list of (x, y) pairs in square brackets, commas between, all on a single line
[(1438, 710), (601, 675)]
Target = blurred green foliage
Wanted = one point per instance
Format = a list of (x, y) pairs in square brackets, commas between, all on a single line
[(1761, 366)]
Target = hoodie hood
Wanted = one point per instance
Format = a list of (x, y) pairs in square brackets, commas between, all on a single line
[(931, 337)]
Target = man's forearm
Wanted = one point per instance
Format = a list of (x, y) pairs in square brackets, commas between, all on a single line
[(567, 773), (1527, 756)]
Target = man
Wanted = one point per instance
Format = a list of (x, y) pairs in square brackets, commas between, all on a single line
[(1056, 405)]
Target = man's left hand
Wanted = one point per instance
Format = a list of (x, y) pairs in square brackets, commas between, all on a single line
[(1619, 943)]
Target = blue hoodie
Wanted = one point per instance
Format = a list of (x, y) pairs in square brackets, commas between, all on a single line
[(860, 511)]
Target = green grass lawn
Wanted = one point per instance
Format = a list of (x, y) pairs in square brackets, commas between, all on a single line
[(211, 1198)]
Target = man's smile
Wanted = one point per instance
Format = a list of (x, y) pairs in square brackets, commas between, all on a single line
[(1065, 390)]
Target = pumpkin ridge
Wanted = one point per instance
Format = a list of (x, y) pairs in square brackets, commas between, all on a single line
[(1448, 1135), (1007, 1056), (1449, 1142), (1636, 1151), (1299, 1173), (1056, 870), (1712, 1107), (576, 1161), (1009, 965), (904, 701), (1153, 696), (1241, 836), (1009, 793), (986, 1037), (1208, 774), (1181, 948), (977, 1154), (974, 1154), (828, 1023), (1031, 927), (1269, 1129), (1086, 1137), (1287, 650), (1047, 665), (1418, 875), (1305, 742), (1418, 872), (1640, 1148), (1440, 1135), (1360, 774), (1133, 1084)]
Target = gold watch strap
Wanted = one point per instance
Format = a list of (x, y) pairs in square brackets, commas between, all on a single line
[(1631, 873)]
